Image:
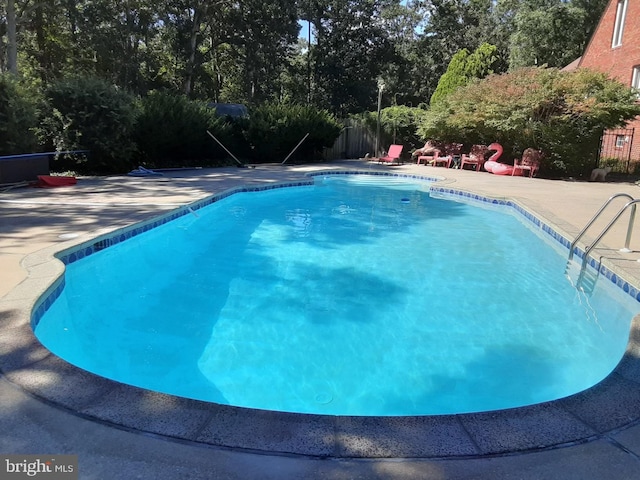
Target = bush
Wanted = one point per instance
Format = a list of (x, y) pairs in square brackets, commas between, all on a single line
[(275, 129), (17, 118), (398, 124), (561, 113), (464, 67), (171, 131), (86, 113)]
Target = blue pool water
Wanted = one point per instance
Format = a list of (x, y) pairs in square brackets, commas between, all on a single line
[(357, 296)]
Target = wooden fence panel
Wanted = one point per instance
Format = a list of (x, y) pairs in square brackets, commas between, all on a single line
[(355, 141)]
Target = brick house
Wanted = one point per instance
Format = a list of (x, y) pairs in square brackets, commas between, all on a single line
[(614, 49)]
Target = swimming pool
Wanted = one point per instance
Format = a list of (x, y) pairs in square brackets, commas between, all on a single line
[(339, 289)]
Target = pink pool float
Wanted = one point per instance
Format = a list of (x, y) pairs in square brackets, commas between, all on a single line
[(495, 167)]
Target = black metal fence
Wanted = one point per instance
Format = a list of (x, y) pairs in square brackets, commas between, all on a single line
[(617, 150)]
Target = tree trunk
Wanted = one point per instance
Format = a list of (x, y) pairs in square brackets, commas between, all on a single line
[(12, 43), (193, 46), (43, 58)]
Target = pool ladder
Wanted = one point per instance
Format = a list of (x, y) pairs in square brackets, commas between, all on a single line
[(586, 279)]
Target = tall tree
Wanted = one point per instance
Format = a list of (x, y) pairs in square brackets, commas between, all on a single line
[(104, 37), (549, 32), (192, 30), (263, 46), (12, 41), (455, 25), (13, 15), (403, 75), (352, 49), (247, 51), (464, 67)]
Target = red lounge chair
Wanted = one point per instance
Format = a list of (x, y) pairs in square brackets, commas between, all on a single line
[(449, 153), (530, 162), (445, 161), (393, 156), (430, 158), (430, 152), (475, 157)]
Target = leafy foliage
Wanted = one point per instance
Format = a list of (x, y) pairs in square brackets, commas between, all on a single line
[(260, 49), (171, 131), (464, 67), (248, 52), (351, 49), (398, 124), (547, 35), (561, 113), (86, 113), (276, 128), (17, 118)]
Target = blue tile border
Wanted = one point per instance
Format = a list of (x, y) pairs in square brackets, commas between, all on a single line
[(46, 300), (76, 253), (374, 173)]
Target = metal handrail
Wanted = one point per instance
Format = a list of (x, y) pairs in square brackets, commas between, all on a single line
[(595, 217), (632, 204)]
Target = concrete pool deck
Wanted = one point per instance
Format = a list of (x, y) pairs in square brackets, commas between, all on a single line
[(47, 406)]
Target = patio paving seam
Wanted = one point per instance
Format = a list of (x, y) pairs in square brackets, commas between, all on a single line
[(471, 437), (620, 446)]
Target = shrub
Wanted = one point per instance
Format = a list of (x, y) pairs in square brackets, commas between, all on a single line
[(398, 124), (561, 113), (17, 118), (171, 131), (87, 113), (275, 129), (464, 67)]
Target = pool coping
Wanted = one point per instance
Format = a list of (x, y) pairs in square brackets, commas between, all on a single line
[(601, 411)]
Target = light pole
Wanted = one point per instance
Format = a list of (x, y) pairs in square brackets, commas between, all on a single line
[(309, 58), (380, 88)]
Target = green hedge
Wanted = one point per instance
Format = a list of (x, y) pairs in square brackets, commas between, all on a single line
[(87, 113), (274, 130), (171, 131), (17, 118)]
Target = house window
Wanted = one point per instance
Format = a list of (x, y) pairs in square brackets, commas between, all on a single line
[(621, 13), (620, 139), (635, 79)]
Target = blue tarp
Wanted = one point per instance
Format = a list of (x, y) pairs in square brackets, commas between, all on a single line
[(234, 110)]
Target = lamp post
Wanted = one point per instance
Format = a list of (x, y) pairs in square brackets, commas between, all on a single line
[(309, 58), (380, 88)]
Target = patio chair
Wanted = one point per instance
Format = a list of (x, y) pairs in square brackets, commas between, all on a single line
[(393, 156), (430, 152), (476, 157), (530, 162), (452, 153)]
